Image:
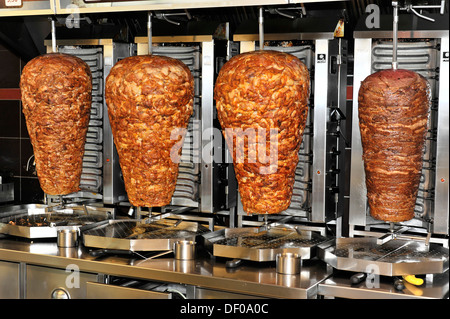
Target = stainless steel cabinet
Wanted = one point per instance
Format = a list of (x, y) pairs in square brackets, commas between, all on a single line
[(204, 293), (48, 283), (9, 279), (103, 291)]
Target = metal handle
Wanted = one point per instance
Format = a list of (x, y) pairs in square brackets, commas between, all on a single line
[(357, 278), (420, 15), (412, 8), (60, 293), (106, 252), (164, 16), (234, 263), (399, 284)]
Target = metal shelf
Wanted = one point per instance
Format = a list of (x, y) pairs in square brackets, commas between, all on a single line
[(50, 7)]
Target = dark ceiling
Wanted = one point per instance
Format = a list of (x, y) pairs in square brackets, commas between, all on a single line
[(24, 35)]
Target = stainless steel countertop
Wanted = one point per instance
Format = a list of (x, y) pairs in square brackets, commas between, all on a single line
[(257, 279)]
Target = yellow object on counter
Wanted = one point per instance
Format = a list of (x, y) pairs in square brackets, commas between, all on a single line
[(413, 280)]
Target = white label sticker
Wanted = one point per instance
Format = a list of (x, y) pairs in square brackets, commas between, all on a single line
[(321, 58), (13, 3)]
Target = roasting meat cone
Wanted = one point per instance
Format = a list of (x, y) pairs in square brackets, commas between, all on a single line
[(150, 100), (56, 100), (393, 115), (261, 100)]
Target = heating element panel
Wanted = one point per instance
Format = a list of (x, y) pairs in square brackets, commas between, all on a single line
[(187, 187), (92, 175)]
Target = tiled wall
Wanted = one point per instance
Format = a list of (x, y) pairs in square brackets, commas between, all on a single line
[(15, 146)]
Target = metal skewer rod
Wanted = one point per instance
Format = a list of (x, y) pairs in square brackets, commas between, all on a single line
[(53, 36), (261, 28), (391, 227), (85, 208), (149, 33), (394, 35)]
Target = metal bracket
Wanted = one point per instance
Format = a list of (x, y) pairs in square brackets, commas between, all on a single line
[(411, 8), (408, 8)]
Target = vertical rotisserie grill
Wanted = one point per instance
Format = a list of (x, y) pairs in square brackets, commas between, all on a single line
[(423, 56), (262, 101), (150, 101), (56, 97), (393, 115)]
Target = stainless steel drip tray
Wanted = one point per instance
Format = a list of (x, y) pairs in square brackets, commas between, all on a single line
[(138, 235), (395, 257), (41, 221), (250, 243)]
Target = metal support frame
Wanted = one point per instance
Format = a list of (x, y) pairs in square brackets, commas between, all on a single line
[(319, 132), (113, 186), (441, 200), (207, 129), (358, 191)]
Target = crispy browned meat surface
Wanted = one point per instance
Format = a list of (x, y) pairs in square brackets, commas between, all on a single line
[(56, 99), (393, 115), (263, 90), (149, 98), (34, 222)]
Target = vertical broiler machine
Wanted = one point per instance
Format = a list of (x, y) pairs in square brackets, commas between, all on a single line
[(329, 191), (203, 186), (203, 183), (418, 246), (317, 203), (321, 168), (101, 183), (101, 178), (206, 184)]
